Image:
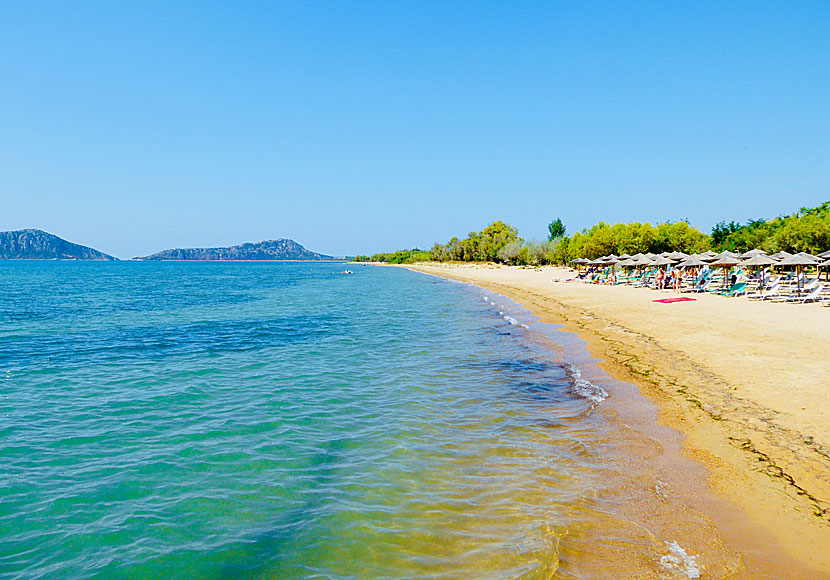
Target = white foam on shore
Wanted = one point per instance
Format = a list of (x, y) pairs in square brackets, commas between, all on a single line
[(677, 559), (585, 388), (510, 319)]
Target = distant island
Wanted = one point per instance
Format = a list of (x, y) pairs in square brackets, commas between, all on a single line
[(39, 245), (268, 250)]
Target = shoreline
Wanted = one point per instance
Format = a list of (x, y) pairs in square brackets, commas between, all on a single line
[(764, 450)]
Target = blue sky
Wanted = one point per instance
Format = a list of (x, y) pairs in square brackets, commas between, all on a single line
[(370, 126)]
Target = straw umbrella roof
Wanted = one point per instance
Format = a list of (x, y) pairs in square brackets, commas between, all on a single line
[(691, 262), (726, 254), (759, 260), (710, 253), (781, 255), (624, 256), (678, 256), (662, 261), (807, 255), (825, 263), (725, 261), (665, 254), (824, 254), (628, 262), (579, 261), (797, 260), (753, 253), (650, 255)]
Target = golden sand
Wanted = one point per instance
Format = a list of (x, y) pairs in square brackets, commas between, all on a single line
[(747, 383)]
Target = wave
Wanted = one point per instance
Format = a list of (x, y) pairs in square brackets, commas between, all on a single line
[(678, 559), (583, 387)]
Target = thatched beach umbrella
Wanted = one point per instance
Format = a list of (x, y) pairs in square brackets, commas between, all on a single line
[(579, 263), (781, 255), (725, 262), (612, 260), (628, 264), (624, 256), (662, 261), (678, 256), (710, 253), (825, 255), (826, 264), (759, 261), (692, 262), (799, 262), (752, 253), (807, 255), (726, 254)]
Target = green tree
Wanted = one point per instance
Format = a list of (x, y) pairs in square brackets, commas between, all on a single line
[(556, 229), (493, 238)]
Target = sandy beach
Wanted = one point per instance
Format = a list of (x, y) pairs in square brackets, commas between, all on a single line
[(747, 383)]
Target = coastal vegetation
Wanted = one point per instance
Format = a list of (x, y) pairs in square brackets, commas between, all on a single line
[(399, 257), (807, 230)]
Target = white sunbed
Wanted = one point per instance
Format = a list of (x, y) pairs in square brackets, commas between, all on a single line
[(812, 296), (700, 287), (768, 294)]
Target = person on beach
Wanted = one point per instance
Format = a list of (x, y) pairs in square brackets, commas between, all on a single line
[(661, 278), (675, 278)]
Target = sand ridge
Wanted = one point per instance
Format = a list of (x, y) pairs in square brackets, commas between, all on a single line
[(748, 383)]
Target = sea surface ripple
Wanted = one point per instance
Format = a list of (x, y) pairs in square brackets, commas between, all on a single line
[(279, 420)]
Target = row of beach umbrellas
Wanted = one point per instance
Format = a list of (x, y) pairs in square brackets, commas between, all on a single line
[(753, 259)]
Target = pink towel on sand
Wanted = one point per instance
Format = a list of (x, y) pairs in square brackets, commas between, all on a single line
[(670, 300)]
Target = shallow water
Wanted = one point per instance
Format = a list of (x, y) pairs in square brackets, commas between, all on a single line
[(282, 420)]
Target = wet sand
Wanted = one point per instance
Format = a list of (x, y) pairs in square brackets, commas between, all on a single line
[(746, 383)]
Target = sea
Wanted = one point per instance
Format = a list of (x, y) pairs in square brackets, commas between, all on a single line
[(284, 420)]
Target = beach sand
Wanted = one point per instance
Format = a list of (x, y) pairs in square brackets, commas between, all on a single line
[(746, 383)]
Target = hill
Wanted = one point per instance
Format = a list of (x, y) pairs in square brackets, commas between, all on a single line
[(268, 250), (39, 245)]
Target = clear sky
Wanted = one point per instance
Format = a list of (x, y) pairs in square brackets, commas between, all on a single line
[(356, 127)]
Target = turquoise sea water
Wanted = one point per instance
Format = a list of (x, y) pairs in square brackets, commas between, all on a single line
[(282, 420)]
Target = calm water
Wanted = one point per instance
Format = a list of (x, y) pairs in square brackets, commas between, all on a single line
[(281, 420)]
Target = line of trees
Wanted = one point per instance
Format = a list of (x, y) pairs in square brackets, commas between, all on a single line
[(808, 230)]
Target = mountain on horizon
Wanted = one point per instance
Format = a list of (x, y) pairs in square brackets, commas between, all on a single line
[(32, 244), (280, 249)]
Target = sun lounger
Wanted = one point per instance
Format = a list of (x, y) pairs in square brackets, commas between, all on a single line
[(812, 296), (700, 286), (773, 291), (734, 290)]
